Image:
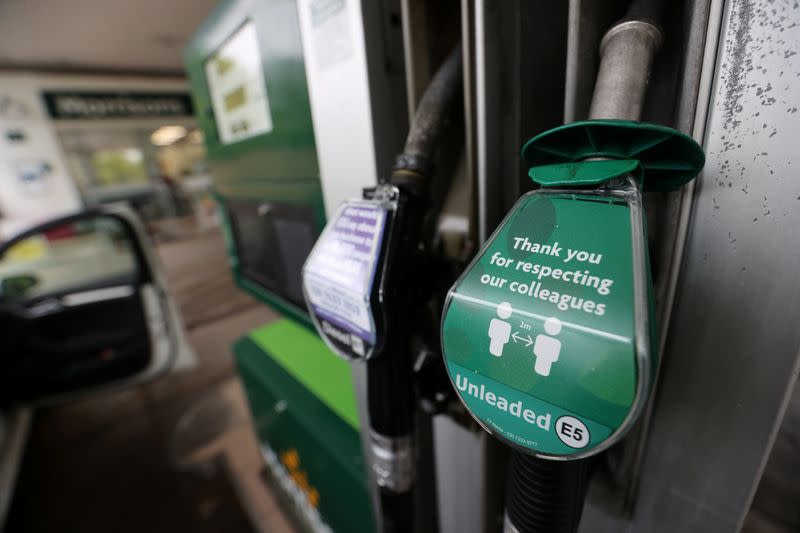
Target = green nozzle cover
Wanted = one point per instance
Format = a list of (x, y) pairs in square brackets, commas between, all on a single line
[(661, 158)]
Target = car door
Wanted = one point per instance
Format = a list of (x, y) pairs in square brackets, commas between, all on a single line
[(83, 307)]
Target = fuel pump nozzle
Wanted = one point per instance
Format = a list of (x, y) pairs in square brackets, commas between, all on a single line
[(562, 290), (391, 400), (359, 283)]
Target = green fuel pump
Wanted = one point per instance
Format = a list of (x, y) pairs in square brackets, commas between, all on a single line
[(548, 335)]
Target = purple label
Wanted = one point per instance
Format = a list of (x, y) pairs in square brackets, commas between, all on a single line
[(340, 271)]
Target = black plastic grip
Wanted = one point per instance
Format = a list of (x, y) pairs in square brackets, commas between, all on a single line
[(545, 496), (398, 511), (390, 397)]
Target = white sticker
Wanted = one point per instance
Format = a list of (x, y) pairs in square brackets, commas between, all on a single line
[(332, 35), (572, 432)]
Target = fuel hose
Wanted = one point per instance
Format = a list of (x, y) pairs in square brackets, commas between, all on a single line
[(390, 385), (545, 496)]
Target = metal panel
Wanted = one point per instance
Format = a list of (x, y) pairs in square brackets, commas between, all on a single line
[(459, 477), (349, 119), (732, 354), (668, 213), (516, 71)]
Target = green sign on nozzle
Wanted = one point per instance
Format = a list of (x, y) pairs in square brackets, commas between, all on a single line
[(540, 333), (547, 334)]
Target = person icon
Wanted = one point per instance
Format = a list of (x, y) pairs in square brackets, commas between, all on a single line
[(546, 348), (500, 330)]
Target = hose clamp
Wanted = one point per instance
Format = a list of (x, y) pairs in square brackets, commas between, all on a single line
[(393, 461)]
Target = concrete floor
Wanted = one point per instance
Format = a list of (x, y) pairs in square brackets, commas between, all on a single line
[(115, 462)]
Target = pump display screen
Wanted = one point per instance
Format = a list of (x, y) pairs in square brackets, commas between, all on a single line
[(539, 334), (272, 243), (237, 88)]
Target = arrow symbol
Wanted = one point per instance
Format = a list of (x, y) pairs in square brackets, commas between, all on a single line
[(528, 341)]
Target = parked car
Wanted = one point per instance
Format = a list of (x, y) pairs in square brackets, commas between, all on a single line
[(84, 308)]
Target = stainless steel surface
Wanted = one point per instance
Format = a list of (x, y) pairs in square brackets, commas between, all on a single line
[(576, 60), (588, 19), (730, 361), (359, 374), (468, 50), (775, 508), (393, 461), (459, 472), (627, 52), (516, 71), (692, 103), (416, 51), (481, 171)]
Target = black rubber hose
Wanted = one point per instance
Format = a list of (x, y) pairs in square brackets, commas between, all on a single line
[(390, 388), (546, 496), (390, 397), (432, 114), (397, 511)]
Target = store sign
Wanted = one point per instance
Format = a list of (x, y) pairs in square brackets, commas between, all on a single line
[(14, 108), (540, 333), (73, 105)]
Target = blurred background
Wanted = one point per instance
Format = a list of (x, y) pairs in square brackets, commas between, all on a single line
[(167, 167), (178, 453)]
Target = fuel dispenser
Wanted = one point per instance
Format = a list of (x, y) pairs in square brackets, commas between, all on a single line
[(548, 334), (523, 310)]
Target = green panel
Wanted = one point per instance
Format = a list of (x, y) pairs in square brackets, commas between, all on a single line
[(545, 317), (305, 356), (280, 166), (289, 147), (293, 422), (667, 157)]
